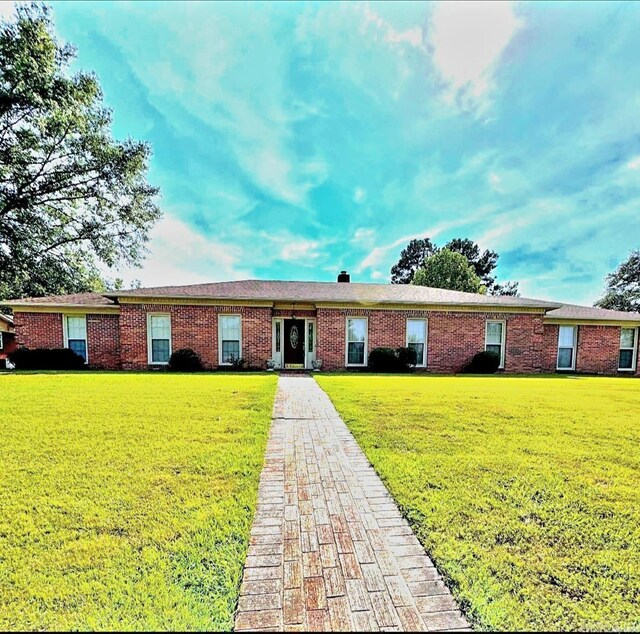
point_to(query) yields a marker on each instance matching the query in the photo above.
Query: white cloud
(634, 163)
(467, 39)
(180, 255)
(7, 9)
(359, 195)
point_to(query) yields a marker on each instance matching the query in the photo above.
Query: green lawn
(126, 500)
(525, 491)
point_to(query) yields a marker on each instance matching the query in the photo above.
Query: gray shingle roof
(575, 312)
(75, 299)
(332, 292)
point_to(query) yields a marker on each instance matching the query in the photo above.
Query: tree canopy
(622, 290)
(451, 270)
(71, 197)
(414, 256)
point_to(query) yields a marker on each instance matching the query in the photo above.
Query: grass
(525, 491)
(126, 500)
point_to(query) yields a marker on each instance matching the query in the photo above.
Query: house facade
(339, 323)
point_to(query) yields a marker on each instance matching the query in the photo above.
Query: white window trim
(503, 339)
(574, 356)
(65, 332)
(346, 343)
(220, 316)
(634, 359)
(426, 338)
(149, 347)
(1, 341)
(310, 356)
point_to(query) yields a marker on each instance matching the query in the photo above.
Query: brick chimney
(344, 277)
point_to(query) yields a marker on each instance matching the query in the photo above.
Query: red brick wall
(103, 341)
(194, 327)
(452, 340)
(598, 349)
(39, 330)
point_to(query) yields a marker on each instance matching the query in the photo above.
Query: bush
(484, 363)
(185, 360)
(237, 363)
(390, 360)
(46, 359)
(407, 358)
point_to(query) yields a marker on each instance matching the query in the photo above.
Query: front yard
(126, 499)
(525, 491)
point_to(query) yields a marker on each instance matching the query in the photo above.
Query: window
(417, 339)
(567, 347)
(356, 341)
(230, 331)
(310, 337)
(278, 336)
(628, 346)
(1, 341)
(75, 332)
(494, 339)
(159, 338)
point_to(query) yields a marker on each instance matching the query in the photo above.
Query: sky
(294, 140)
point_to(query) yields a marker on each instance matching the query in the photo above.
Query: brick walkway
(329, 549)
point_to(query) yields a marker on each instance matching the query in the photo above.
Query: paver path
(329, 549)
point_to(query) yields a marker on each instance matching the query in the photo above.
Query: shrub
(237, 363)
(46, 359)
(407, 358)
(390, 360)
(185, 360)
(484, 362)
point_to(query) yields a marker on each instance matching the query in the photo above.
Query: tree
(411, 259)
(451, 270)
(417, 251)
(71, 197)
(622, 291)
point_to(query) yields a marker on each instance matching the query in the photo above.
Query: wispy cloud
(467, 39)
(295, 140)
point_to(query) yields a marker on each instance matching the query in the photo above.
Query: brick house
(297, 323)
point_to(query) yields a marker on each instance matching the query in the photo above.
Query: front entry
(294, 344)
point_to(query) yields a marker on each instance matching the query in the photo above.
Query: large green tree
(622, 291)
(451, 270)
(413, 257)
(71, 197)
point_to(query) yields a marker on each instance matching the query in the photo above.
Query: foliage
(411, 259)
(414, 256)
(46, 359)
(237, 363)
(523, 490)
(185, 360)
(127, 499)
(485, 362)
(391, 360)
(623, 286)
(71, 197)
(447, 269)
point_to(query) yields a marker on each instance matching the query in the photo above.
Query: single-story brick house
(296, 323)
(7, 339)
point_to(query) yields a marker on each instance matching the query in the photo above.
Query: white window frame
(634, 359)
(220, 317)
(426, 337)
(503, 338)
(65, 331)
(149, 345)
(346, 342)
(1, 341)
(574, 356)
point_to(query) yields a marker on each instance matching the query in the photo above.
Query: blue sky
(295, 140)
